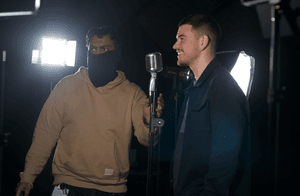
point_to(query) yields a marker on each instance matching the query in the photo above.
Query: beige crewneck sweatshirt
(92, 128)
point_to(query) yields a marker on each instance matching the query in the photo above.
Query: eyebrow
(180, 36)
(92, 46)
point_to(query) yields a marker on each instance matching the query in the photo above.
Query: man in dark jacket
(212, 153)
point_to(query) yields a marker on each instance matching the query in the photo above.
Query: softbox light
(243, 72)
(55, 52)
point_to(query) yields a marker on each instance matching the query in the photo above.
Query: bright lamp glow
(70, 53)
(5, 14)
(35, 56)
(243, 70)
(55, 52)
(25, 13)
(37, 4)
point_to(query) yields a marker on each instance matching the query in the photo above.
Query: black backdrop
(27, 86)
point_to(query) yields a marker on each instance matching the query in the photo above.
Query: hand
(159, 108)
(23, 186)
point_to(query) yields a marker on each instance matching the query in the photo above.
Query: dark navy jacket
(215, 157)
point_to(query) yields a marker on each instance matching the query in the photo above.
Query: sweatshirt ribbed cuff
(27, 178)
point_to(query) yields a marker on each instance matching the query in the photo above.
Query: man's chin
(182, 64)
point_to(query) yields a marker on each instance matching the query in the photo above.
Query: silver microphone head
(154, 62)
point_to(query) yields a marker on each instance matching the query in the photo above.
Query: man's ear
(204, 42)
(117, 45)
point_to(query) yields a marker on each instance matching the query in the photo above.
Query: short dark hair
(206, 23)
(102, 31)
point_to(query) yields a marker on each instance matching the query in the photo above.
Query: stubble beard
(182, 64)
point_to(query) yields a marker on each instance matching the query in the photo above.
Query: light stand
(52, 153)
(154, 123)
(23, 13)
(274, 95)
(3, 136)
(49, 76)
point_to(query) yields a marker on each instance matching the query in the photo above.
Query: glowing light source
(243, 72)
(55, 52)
(70, 53)
(23, 13)
(37, 4)
(5, 14)
(35, 56)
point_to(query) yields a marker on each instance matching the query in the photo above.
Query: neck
(200, 65)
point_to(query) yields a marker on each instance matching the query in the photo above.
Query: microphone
(154, 62)
(153, 65)
(181, 73)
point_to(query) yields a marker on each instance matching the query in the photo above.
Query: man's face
(186, 46)
(101, 45)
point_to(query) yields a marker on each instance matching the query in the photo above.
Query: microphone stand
(154, 123)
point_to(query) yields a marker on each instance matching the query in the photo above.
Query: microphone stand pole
(154, 123)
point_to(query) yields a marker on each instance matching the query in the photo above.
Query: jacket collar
(206, 73)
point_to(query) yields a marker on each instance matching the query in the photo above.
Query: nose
(97, 52)
(175, 46)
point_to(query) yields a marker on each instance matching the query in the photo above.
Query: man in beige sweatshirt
(90, 115)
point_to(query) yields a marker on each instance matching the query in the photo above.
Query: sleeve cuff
(145, 122)
(27, 178)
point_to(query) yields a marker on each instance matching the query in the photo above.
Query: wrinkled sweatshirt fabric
(93, 128)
